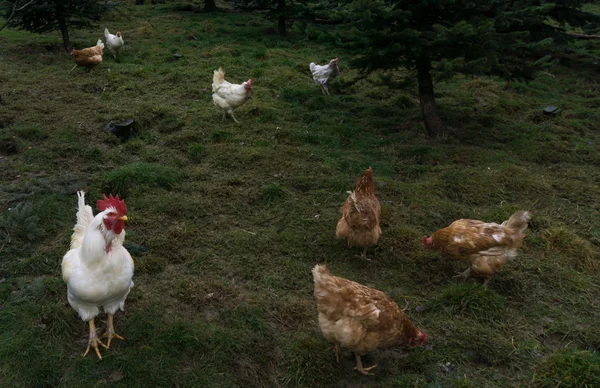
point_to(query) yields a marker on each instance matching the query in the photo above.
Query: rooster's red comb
(118, 204)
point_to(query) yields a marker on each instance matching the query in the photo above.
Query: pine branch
(13, 12)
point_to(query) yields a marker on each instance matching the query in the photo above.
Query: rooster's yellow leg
(359, 367)
(94, 341)
(110, 331)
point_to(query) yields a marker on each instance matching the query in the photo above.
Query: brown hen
(487, 246)
(89, 57)
(360, 318)
(359, 224)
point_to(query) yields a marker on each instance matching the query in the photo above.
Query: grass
(227, 220)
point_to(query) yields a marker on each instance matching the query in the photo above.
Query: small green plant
(121, 179)
(272, 193)
(19, 228)
(569, 368)
(196, 151)
(221, 136)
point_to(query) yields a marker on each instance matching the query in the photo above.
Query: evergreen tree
(210, 6)
(281, 10)
(42, 16)
(439, 39)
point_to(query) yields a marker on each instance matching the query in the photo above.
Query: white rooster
(113, 42)
(323, 75)
(97, 268)
(228, 96)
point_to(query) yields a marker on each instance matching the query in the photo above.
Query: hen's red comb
(118, 204)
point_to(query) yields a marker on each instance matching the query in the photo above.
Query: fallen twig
(584, 36)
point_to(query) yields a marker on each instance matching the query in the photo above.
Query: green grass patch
(273, 193)
(472, 301)
(569, 368)
(121, 179)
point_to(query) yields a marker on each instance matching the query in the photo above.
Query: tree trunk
(62, 23)
(433, 124)
(281, 18)
(210, 6)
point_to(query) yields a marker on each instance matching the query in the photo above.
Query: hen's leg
(359, 367)
(485, 282)
(363, 254)
(110, 331)
(94, 341)
(72, 69)
(326, 89)
(337, 350)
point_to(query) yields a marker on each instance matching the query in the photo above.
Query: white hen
(228, 96)
(113, 42)
(323, 75)
(97, 268)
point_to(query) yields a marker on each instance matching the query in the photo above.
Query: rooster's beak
(124, 218)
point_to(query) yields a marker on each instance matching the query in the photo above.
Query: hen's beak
(124, 218)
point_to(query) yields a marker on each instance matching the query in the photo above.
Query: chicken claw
(359, 368)
(110, 331)
(363, 255)
(94, 341)
(405, 306)
(465, 274)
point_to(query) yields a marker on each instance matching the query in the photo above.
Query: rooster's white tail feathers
(218, 78)
(84, 217)
(100, 43)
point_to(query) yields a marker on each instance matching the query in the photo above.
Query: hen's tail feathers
(365, 184)
(517, 223)
(218, 78)
(84, 217)
(352, 197)
(100, 43)
(320, 273)
(312, 67)
(106, 33)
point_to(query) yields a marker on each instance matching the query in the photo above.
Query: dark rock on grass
(122, 129)
(551, 110)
